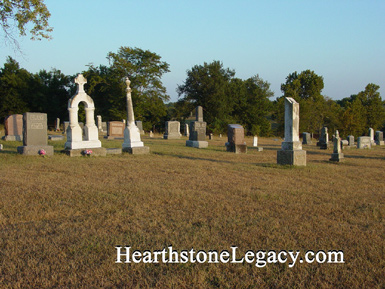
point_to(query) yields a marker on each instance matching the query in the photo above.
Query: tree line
(224, 97)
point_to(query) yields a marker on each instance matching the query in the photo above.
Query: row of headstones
(376, 138)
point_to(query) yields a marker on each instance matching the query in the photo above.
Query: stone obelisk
(132, 142)
(291, 152)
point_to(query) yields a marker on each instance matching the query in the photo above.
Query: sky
(343, 41)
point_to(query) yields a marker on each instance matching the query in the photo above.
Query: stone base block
(323, 146)
(34, 150)
(172, 136)
(337, 157)
(13, 138)
(236, 148)
(56, 137)
(137, 150)
(259, 149)
(380, 143)
(197, 144)
(294, 158)
(114, 151)
(80, 152)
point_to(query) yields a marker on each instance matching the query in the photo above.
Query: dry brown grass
(62, 217)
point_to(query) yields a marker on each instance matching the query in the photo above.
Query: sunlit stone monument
(337, 155)
(76, 141)
(197, 138)
(291, 152)
(132, 142)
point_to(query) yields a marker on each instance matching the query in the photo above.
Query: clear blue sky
(341, 40)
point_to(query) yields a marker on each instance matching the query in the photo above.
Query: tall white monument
(291, 152)
(75, 138)
(132, 142)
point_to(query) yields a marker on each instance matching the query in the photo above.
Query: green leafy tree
(18, 14)
(13, 89)
(145, 70)
(305, 88)
(207, 85)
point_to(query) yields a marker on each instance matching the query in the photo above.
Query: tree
(305, 88)
(17, 14)
(13, 89)
(145, 70)
(226, 99)
(207, 85)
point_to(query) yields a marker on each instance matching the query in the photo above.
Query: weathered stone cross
(80, 80)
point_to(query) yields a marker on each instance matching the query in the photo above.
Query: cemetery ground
(61, 217)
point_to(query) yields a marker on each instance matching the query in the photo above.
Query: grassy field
(61, 218)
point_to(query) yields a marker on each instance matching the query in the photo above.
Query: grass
(61, 217)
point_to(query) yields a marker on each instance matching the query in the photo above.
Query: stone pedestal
(290, 157)
(80, 152)
(197, 144)
(137, 150)
(33, 150)
(236, 148)
(337, 157)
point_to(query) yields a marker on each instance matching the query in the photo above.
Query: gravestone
(255, 144)
(35, 134)
(379, 138)
(291, 152)
(211, 136)
(197, 137)
(306, 138)
(186, 130)
(1, 147)
(350, 140)
(104, 126)
(371, 135)
(115, 129)
(99, 123)
(151, 134)
(323, 142)
(57, 124)
(172, 130)
(65, 126)
(236, 139)
(337, 155)
(364, 142)
(139, 124)
(132, 142)
(76, 142)
(13, 128)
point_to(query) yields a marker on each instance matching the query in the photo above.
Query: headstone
(371, 135)
(306, 138)
(151, 134)
(364, 142)
(186, 130)
(75, 139)
(291, 152)
(337, 155)
(211, 136)
(197, 137)
(99, 123)
(255, 144)
(220, 135)
(1, 147)
(13, 127)
(139, 124)
(65, 126)
(323, 142)
(172, 130)
(104, 126)
(379, 138)
(56, 137)
(236, 139)
(132, 142)
(350, 140)
(35, 134)
(115, 129)
(57, 124)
